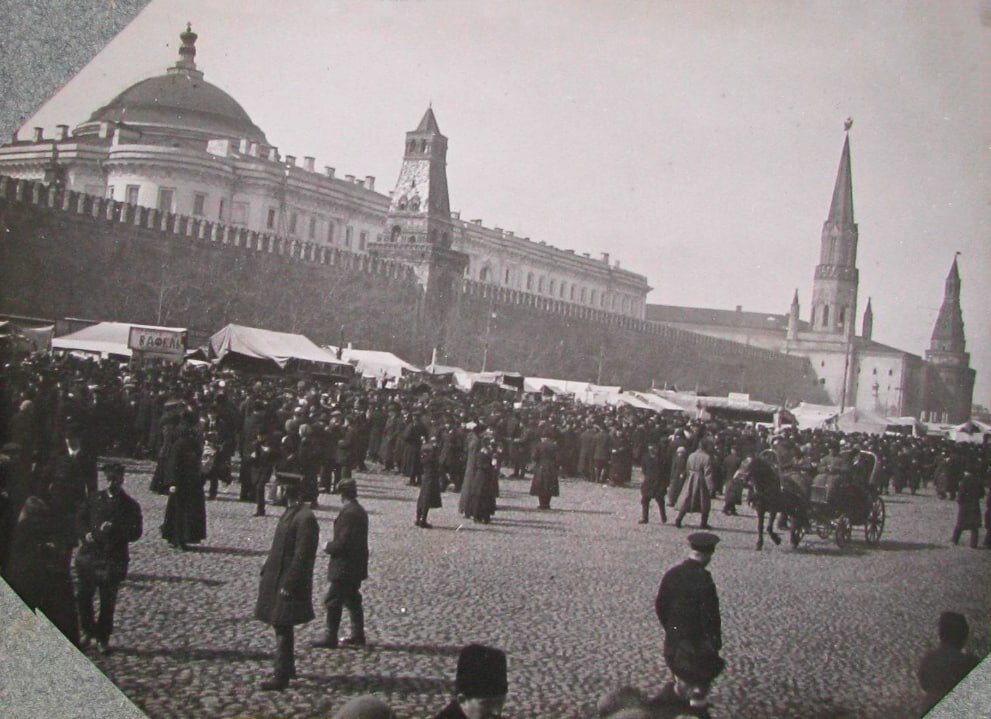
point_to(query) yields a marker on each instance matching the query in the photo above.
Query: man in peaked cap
(481, 684)
(688, 608)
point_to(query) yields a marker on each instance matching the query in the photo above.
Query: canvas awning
(861, 421)
(106, 339)
(375, 363)
(255, 348)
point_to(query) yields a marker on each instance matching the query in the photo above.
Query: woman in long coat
(480, 500)
(545, 471)
(167, 436)
(677, 474)
(185, 512)
(429, 497)
(471, 455)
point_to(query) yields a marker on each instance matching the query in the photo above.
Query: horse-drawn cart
(840, 500)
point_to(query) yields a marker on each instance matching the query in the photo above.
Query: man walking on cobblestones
(285, 593)
(688, 607)
(348, 552)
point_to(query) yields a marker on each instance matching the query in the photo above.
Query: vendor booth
(252, 349)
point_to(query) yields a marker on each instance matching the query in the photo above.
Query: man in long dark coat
(545, 482)
(688, 608)
(108, 521)
(348, 568)
(655, 482)
(285, 593)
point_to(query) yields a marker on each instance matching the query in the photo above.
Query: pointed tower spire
(834, 291)
(793, 317)
(867, 329)
(948, 334)
(429, 123)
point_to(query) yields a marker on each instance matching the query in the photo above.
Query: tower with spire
(949, 378)
(834, 289)
(867, 329)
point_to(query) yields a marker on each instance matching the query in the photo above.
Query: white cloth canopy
(860, 420)
(103, 338)
(375, 363)
(277, 347)
(814, 416)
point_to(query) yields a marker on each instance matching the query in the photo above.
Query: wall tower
(950, 380)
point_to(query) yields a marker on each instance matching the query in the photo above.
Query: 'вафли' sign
(158, 341)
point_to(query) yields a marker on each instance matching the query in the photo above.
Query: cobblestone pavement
(813, 632)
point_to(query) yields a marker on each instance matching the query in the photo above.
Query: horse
(767, 497)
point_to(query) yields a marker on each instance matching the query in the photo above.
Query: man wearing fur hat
(481, 684)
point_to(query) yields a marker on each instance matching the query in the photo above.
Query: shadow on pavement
(185, 654)
(138, 578)
(233, 551)
(896, 546)
(430, 649)
(371, 683)
(553, 510)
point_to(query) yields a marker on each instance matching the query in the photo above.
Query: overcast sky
(696, 142)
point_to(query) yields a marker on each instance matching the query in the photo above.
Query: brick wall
(67, 254)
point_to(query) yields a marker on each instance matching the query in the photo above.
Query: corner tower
(834, 289)
(949, 377)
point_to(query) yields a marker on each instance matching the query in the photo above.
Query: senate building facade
(181, 145)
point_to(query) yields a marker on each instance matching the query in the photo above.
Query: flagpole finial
(848, 124)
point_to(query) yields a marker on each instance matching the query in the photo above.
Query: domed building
(181, 145)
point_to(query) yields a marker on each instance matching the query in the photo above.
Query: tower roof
(841, 209)
(948, 333)
(429, 123)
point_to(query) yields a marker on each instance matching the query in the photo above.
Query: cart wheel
(874, 527)
(842, 531)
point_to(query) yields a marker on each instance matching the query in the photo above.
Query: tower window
(362, 240)
(348, 236)
(220, 211)
(410, 147)
(551, 288)
(131, 194)
(561, 291)
(423, 145)
(825, 315)
(313, 228)
(199, 202)
(394, 235)
(293, 219)
(402, 202)
(842, 319)
(506, 277)
(239, 213)
(414, 204)
(529, 281)
(540, 285)
(165, 197)
(583, 295)
(270, 220)
(330, 233)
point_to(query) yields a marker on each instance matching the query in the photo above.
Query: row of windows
(821, 312)
(562, 290)
(239, 215)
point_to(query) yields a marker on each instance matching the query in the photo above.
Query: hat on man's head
(347, 485)
(703, 541)
(482, 672)
(365, 707)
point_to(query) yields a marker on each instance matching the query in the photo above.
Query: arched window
(572, 293)
(529, 281)
(505, 279)
(486, 274)
(550, 289)
(423, 145)
(414, 204)
(394, 235)
(825, 315)
(410, 147)
(813, 315)
(842, 321)
(540, 285)
(593, 298)
(402, 202)
(561, 293)
(583, 296)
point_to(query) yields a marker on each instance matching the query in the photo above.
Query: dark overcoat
(429, 497)
(655, 482)
(185, 511)
(688, 608)
(969, 497)
(106, 555)
(545, 471)
(289, 566)
(348, 549)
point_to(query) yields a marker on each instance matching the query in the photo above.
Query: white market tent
(860, 420)
(104, 339)
(814, 416)
(656, 403)
(376, 364)
(253, 346)
(970, 431)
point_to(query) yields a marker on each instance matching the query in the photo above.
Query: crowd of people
(287, 440)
